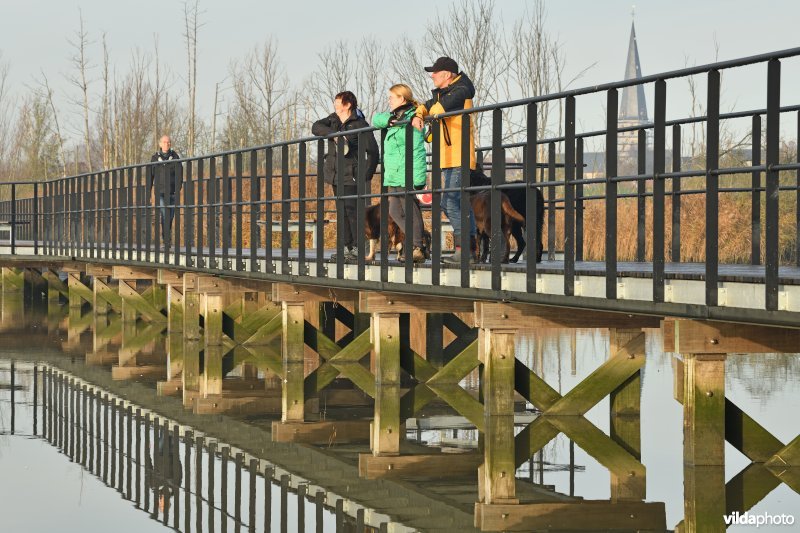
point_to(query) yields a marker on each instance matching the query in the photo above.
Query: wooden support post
(55, 287)
(174, 357)
(704, 499)
(127, 287)
(704, 410)
(626, 429)
(78, 292)
(386, 425)
(35, 285)
(175, 308)
(213, 319)
(497, 482)
(292, 351)
(191, 308)
(101, 306)
(212, 373)
(190, 377)
(678, 379)
(13, 281)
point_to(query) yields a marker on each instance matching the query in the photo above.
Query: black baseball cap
(444, 63)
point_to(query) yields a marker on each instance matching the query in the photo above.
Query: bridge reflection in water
(105, 403)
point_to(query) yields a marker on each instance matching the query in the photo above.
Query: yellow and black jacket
(457, 95)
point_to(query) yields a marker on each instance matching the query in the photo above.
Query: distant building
(633, 107)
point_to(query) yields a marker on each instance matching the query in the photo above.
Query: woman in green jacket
(403, 107)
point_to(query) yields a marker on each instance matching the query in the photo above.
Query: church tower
(633, 108)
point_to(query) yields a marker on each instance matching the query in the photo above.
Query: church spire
(634, 106)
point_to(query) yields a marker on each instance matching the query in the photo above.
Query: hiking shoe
(418, 255)
(454, 259)
(351, 253)
(345, 254)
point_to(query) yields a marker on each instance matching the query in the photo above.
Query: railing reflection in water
(181, 478)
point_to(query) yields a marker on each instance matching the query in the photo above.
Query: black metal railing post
(408, 131)
(675, 255)
(13, 218)
(189, 242)
(35, 222)
(755, 197)
(712, 190)
(268, 209)
(341, 219)
(286, 209)
(612, 105)
(466, 207)
(384, 209)
(659, 166)
(569, 196)
(531, 196)
(199, 201)
(579, 199)
(227, 214)
(641, 196)
(320, 244)
(436, 203)
(301, 209)
(551, 201)
(255, 209)
(497, 242)
(211, 219)
(361, 185)
(772, 184)
(238, 170)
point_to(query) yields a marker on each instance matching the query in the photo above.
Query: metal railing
(235, 209)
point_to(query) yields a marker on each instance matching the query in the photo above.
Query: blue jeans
(167, 212)
(451, 202)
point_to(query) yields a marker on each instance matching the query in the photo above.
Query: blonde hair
(401, 89)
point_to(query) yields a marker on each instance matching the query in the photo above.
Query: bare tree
(79, 79)
(191, 17)
(335, 72)
(5, 111)
(371, 82)
(105, 111)
(260, 89)
(48, 94)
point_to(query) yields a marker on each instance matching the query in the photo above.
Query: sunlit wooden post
(292, 351)
(497, 480)
(386, 425)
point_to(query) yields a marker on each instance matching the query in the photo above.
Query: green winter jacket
(394, 150)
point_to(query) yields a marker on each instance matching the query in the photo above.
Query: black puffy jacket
(167, 177)
(332, 124)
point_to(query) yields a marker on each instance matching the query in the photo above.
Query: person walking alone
(168, 180)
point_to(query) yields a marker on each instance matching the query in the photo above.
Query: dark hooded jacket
(332, 124)
(167, 177)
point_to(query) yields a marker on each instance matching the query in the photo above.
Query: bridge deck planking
(742, 288)
(788, 275)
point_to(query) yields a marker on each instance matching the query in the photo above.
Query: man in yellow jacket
(453, 91)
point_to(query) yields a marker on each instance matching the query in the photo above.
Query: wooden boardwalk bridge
(232, 281)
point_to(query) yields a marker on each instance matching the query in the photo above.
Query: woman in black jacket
(347, 116)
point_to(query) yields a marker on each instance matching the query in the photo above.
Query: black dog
(517, 198)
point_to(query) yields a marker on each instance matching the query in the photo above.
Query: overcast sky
(34, 34)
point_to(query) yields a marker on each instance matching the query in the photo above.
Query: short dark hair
(347, 97)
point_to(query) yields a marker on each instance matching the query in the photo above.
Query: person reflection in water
(163, 473)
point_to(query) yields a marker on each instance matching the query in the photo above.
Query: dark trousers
(397, 210)
(349, 220)
(166, 207)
